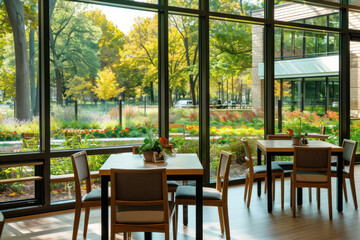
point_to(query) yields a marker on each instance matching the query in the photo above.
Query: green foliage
(150, 142)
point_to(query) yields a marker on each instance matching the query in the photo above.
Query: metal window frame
(204, 14)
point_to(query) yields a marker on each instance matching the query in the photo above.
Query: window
(104, 75)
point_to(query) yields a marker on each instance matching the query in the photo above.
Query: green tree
(73, 45)
(78, 88)
(112, 40)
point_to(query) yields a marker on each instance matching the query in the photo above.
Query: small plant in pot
(151, 145)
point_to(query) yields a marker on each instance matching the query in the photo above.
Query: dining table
(178, 166)
(272, 148)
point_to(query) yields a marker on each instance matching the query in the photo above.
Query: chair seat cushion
(334, 170)
(262, 168)
(188, 192)
(307, 176)
(141, 214)
(94, 195)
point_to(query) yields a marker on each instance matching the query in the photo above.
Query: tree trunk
(152, 92)
(171, 104)
(15, 12)
(192, 89)
(32, 66)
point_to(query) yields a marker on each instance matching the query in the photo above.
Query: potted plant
(295, 134)
(152, 145)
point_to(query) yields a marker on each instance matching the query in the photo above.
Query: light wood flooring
(253, 223)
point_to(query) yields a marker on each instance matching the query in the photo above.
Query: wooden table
(272, 148)
(178, 167)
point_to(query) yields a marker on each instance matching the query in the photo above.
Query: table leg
(147, 235)
(259, 163)
(104, 207)
(269, 181)
(340, 182)
(199, 207)
(299, 196)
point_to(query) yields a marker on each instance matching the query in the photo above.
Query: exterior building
(306, 62)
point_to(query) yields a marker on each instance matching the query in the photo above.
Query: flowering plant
(151, 143)
(296, 133)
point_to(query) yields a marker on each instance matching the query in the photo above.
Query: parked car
(183, 103)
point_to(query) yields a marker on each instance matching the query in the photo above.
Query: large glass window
(236, 110)
(354, 91)
(19, 79)
(104, 75)
(184, 83)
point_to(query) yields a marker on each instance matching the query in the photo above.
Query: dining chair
(2, 221)
(140, 203)
(172, 185)
(218, 197)
(348, 156)
(312, 168)
(286, 165)
(259, 171)
(92, 198)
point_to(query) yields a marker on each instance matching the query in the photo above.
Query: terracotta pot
(296, 141)
(27, 135)
(148, 156)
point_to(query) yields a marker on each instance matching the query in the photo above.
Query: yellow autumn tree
(106, 85)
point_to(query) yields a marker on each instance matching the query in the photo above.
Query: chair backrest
(349, 153)
(81, 172)
(139, 188)
(135, 149)
(278, 137)
(223, 173)
(2, 221)
(312, 160)
(248, 158)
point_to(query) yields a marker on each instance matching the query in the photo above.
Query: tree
(73, 44)
(15, 10)
(106, 85)
(78, 88)
(112, 40)
(187, 27)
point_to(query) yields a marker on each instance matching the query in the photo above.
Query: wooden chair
(349, 156)
(172, 185)
(254, 172)
(311, 169)
(2, 221)
(92, 198)
(140, 202)
(218, 197)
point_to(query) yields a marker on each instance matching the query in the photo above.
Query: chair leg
(221, 219)
(293, 197)
(345, 191)
(251, 181)
(246, 187)
(318, 197)
(282, 191)
(172, 194)
(310, 195)
(76, 222)
(86, 221)
(353, 191)
(174, 220)
(226, 221)
(265, 185)
(291, 183)
(126, 237)
(330, 202)
(113, 236)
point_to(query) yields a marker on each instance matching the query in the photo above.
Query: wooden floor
(253, 223)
